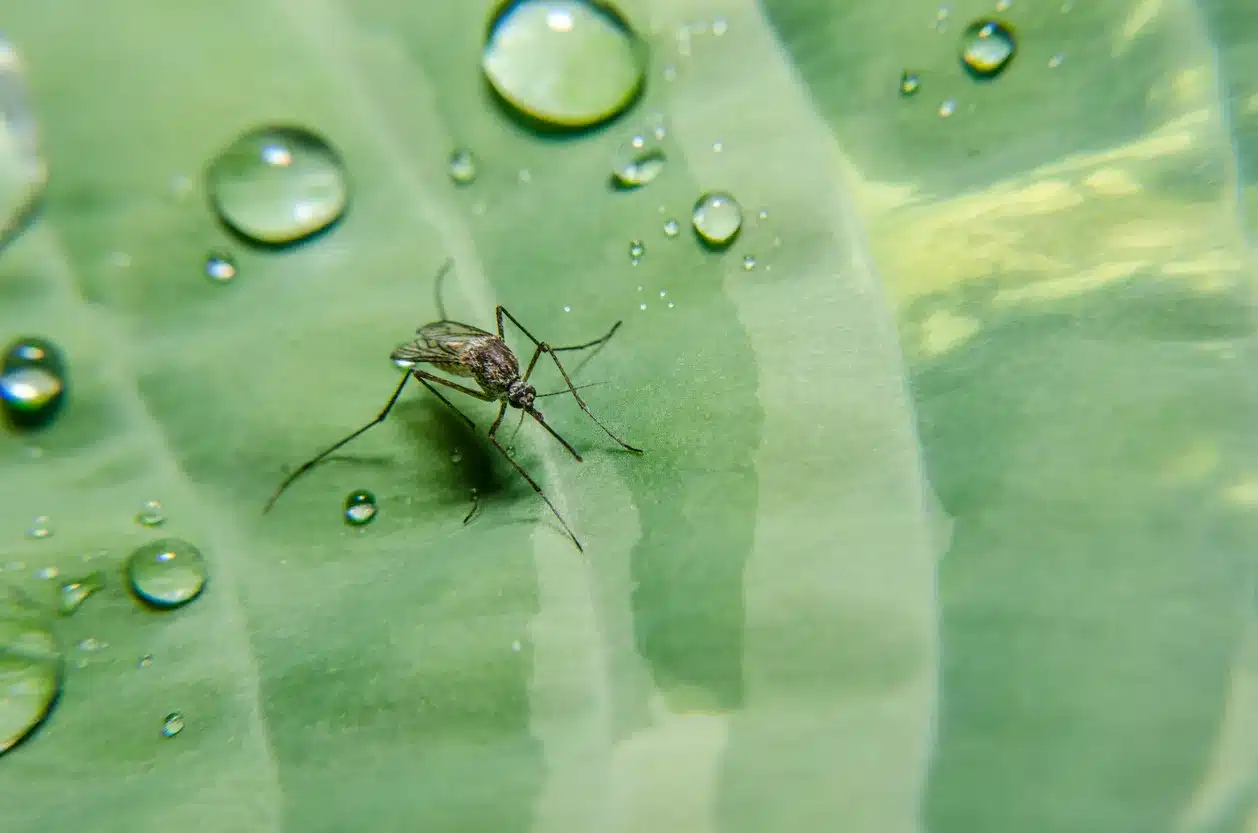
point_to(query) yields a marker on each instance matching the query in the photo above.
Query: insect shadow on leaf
(463, 350)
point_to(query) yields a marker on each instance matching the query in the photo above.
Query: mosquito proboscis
(466, 351)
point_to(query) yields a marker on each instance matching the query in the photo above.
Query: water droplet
(663, 293)
(30, 673)
(1056, 61)
(172, 725)
(672, 228)
(90, 645)
(278, 185)
(145, 661)
(636, 251)
(1003, 5)
(360, 507)
(40, 528)
(220, 267)
(567, 308)
(462, 167)
(638, 169)
(670, 304)
(987, 47)
(717, 219)
(749, 262)
(720, 26)
(456, 457)
(947, 108)
(642, 306)
(764, 214)
(563, 64)
(660, 132)
(717, 147)
(525, 177)
(151, 514)
(910, 82)
(32, 382)
(23, 173)
(71, 594)
(166, 573)
(515, 645)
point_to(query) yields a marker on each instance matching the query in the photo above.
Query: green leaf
(1050, 289)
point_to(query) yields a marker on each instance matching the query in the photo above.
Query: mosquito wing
(443, 344)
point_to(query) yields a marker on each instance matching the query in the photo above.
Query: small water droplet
(1056, 61)
(663, 293)
(947, 108)
(567, 308)
(717, 147)
(987, 47)
(456, 457)
(91, 644)
(360, 507)
(220, 267)
(672, 228)
(278, 185)
(637, 142)
(23, 172)
(717, 218)
(636, 251)
(40, 528)
(764, 214)
(525, 176)
(30, 673)
(515, 646)
(151, 514)
(563, 64)
(145, 661)
(1003, 5)
(32, 382)
(642, 306)
(720, 26)
(910, 82)
(166, 573)
(172, 725)
(660, 132)
(638, 169)
(462, 167)
(670, 304)
(749, 262)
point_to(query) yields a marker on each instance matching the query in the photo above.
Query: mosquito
(466, 351)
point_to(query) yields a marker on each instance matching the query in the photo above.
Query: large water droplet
(30, 674)
(987, 47)
(563, 64)
(22, 170)
(278, 185)
(32, 382)
(717, 219)
(172, 725)
(166, 573)
(360, 507)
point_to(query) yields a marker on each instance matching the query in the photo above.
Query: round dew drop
(360, 507)
(462, 167)
(31, 670)
(172, 725)
(717, 218)
(166, 573)
(219, 267)
(151, 514)
(987, 47)
(32, 382)
(275, 186)
(638, 170)
(563, 65)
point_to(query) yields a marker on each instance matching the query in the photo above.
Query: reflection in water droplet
(151, 514)
(717, 219)
(639, 169)
(166, 573)
(32, 382)
(30, 673)
(909, 83)
(172, 725)
(672, 228)
(23, 173)
(462, 167)
(71, 594)
(220, 267)
(278, 185)
(360, 507)
(749, 262)
(987, 47)
(1003, 5)
(636, 251)
(947, 108)
(563, 64)
(40, 528)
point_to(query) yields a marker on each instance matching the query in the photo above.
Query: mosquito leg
(436, 289)
(494, 439)
(538, 417)
(596, 342)
(426, 377)
(306, 466)
(475, 505)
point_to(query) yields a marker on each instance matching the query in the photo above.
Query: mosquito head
(521, 395)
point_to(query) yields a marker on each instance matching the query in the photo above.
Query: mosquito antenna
(436, 287)
(566, 390)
